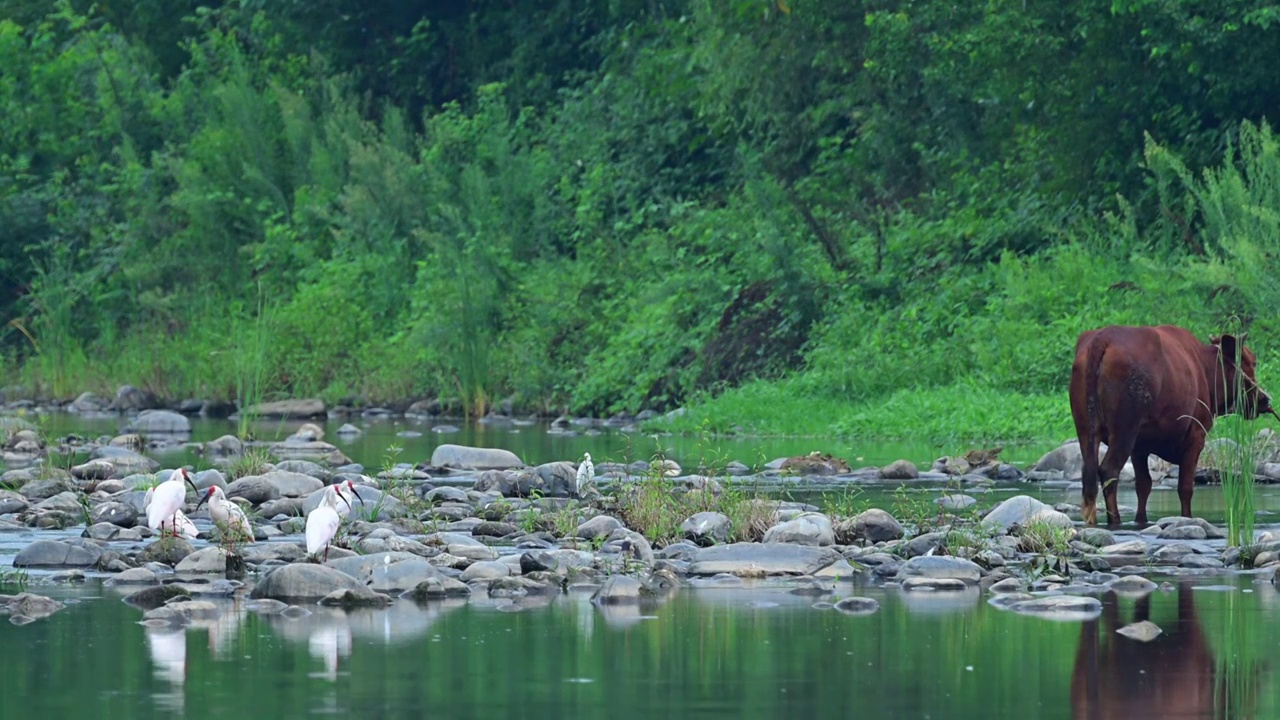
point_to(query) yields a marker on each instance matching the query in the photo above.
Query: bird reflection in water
(168, 650)
(1174, 675)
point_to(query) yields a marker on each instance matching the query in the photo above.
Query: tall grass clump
(250, 356)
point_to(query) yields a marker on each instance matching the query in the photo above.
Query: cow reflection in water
(1171, 676)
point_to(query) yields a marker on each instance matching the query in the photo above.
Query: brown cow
(1174, 676)
(1153, 390)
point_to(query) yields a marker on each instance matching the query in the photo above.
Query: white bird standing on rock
(165, 503)
(323, 522)
(586, 473)
(227, 515)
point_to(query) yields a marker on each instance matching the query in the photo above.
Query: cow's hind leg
(1142, 480)
(1119, 449)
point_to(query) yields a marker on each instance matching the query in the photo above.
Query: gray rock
(133, 576)
(874, 525)
(1132, 584)
(805, 529)
(67, 502)
(43, 489)
(224, 447)
(303, 581)
(437, 589)
(299, 409)
(953, 501)
(29, 605)
(1183, 532)
(204, 560)
(900, 470)
(618, 589)
(87, 402)
(355, 597)
(1131, 547)
(259, 553)
(116, 513)
(1024, 509)
(254, 488)
(168, 551)
(349, 430)
(159, 422)
(183, 612)
(305, 467)
(857, 606)
(124, 460)
(471, 458)
(923, 544)
(130, 398)
(1066, 605)
(485, 570)
(934, 584)
(154, 597)
(1095, 536)
(598, 526)
(58, 553)
(707, 528)
(12, 502)
(447, 493)
(1142, 631)
(758, 560)
(940, 567)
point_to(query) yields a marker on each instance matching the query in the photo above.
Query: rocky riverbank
(479, 521)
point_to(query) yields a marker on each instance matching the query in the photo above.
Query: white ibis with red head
(166, 502)
(228, 516)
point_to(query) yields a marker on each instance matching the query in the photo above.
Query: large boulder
(1024, 509)
(124, 460)
(58, 553)
(130, 398)
(757, 560)
(874, 525)
(303, 581)
(940, 567)
(472, 458)
(405, 571)
(707, 528)
(159, 422)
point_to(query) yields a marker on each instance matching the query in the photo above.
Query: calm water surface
(761, 653)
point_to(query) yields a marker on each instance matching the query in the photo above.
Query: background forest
(799, 216)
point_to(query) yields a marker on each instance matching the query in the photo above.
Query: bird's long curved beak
(187, 477)
(204, 497)
(354, 492)
(343, 499)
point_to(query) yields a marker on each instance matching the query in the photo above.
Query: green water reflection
(703, 653)
(535, 445)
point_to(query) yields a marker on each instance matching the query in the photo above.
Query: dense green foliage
(848, 208)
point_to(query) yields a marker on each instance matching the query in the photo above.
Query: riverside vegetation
(786, 216)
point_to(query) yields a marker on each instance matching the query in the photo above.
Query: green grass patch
(959, 413)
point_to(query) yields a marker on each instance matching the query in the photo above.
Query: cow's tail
(1089, 443)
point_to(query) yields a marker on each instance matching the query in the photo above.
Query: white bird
(228, 516)
(179, 524)
(166, 500)
(322, 525)
(586, 473)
